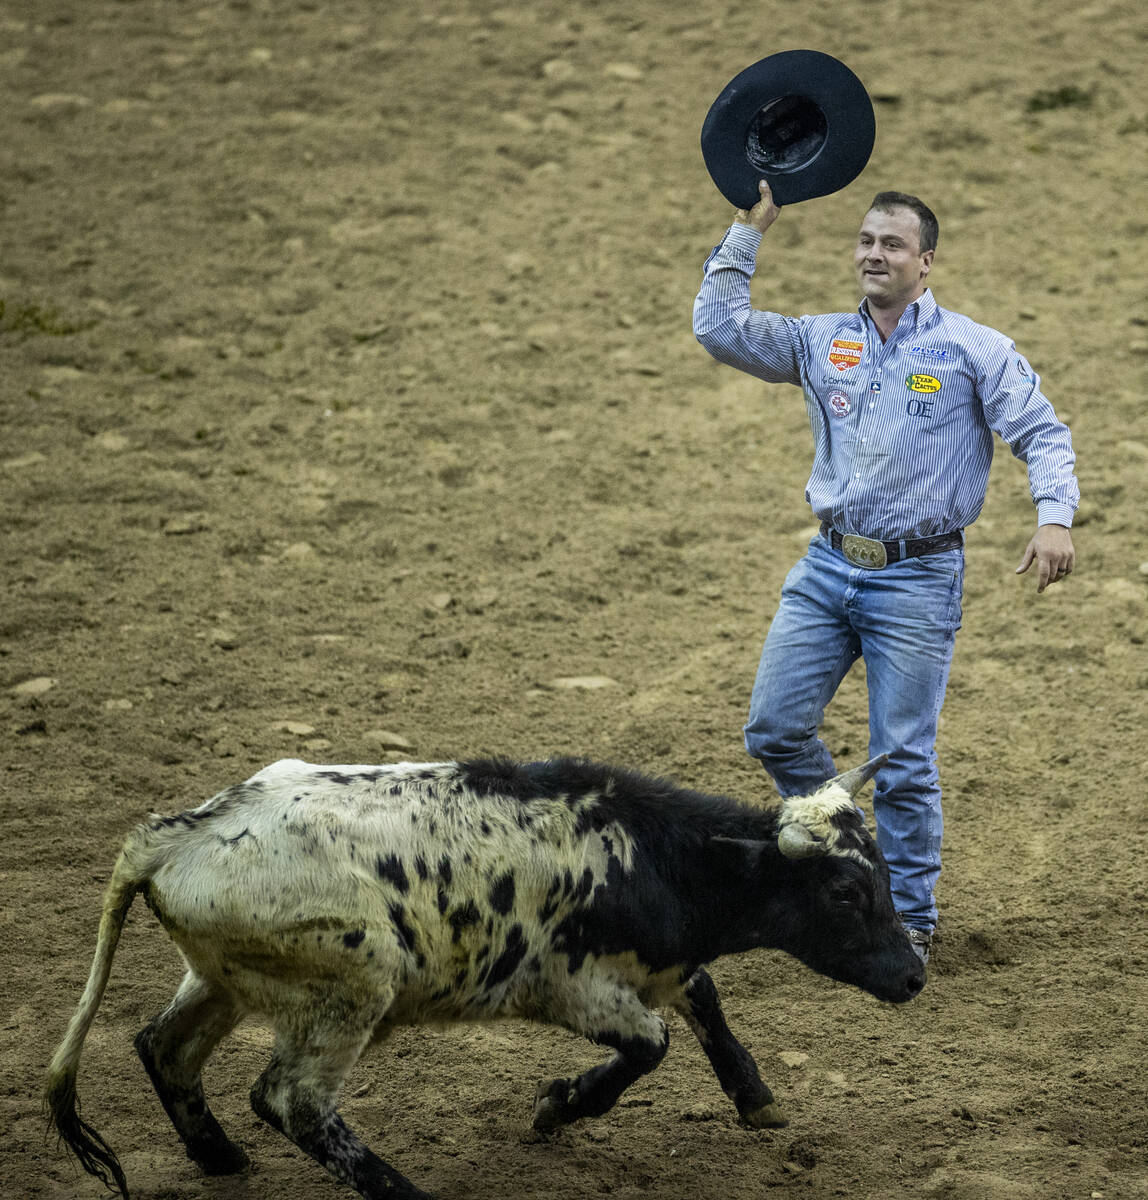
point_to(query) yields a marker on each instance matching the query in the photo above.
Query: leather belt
(870, 553)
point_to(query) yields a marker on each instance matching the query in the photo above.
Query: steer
(339, 902)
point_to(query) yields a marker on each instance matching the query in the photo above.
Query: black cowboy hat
(799, 119)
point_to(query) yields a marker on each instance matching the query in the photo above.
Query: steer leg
(297, 1095)
(173, 1049)
(640, 1040)
(731, 1061)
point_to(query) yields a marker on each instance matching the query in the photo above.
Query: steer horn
(853, 781)
(795, 841)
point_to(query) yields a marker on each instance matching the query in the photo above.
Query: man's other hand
(1052, 550)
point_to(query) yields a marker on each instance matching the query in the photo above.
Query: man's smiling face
(891, 268)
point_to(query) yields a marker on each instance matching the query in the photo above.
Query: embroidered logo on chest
(844, 354)
(839, 403)
(923, 383)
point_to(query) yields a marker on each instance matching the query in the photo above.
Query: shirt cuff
(741, 237)
(1054, 512)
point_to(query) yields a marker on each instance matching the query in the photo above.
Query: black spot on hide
(467, 914)
(391, 869)
(354, 940)
(445, 873)
(550, 904)
(615, 875)
(580, 891)
(344, 780)
(443, 900)
(406, 934)
(421, 867)
(502, 893)
(507, 962)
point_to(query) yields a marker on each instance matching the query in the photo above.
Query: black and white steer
(339, 902)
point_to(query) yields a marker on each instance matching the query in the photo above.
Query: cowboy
(904, 398)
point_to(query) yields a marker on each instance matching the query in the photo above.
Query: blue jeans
(903, 620)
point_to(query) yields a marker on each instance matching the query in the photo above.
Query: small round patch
(839, 403)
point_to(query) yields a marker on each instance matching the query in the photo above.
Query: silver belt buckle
(863, 551)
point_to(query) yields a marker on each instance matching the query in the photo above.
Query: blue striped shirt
(902, 429)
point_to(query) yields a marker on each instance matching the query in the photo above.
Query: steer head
(833, 909)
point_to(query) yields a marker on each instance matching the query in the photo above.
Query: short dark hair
(929, 229)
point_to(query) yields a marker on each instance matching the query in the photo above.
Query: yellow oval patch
(923, 383)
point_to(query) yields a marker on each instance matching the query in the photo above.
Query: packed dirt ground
(351, 412)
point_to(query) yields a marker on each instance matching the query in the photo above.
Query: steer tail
(60, 1100)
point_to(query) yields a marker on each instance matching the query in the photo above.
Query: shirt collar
(920, 310)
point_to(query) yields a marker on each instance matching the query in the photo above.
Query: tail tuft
(92, 1152)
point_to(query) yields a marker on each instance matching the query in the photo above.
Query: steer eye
(845, 893)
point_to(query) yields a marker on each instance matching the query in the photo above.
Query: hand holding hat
(763, 214)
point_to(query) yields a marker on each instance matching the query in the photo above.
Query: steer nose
(915, 981)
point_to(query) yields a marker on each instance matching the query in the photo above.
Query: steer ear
(853, 781)
(795, 841)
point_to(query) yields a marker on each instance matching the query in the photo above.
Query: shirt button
(857, 475)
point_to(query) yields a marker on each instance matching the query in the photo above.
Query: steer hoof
(551, 1106)
(218, 1158)
(230, 1164)
(769, 1116)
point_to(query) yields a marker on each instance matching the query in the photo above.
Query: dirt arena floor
(351, 411)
